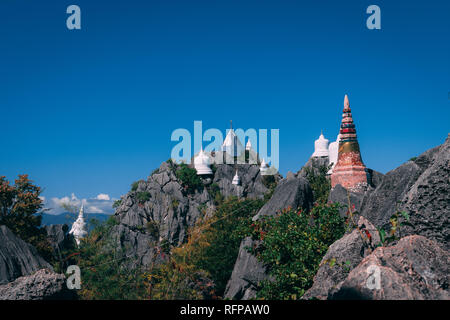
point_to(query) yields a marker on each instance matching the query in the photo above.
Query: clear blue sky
(91, 111)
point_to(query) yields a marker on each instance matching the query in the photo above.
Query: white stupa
(202, 163)
(236, 180)
(248, 146)
(321, 147)
(264, 168)
(333, 149)
(79, 229)
(232, 145)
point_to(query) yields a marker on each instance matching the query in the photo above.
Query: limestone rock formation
(313, 163)
(170, 209)
(414, 269)
(17, 258)
(248, 271)
(428, 200)
(294, 193)
(41, 285)
(342, 256)
(59, 239)
(422, 189)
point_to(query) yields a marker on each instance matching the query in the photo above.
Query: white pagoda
(202, 163)
(321, 147)
(264, 168)
(79, 228)
(236, 180)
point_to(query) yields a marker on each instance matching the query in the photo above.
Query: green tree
(292, 245)
(106, 275)
(319, 182)
(188, 177)
(21, 211)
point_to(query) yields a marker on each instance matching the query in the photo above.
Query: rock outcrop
(428, 200)
(41, 285)
(421, 188)
(293, 192)
(248, 271)
(414, 269)
(341, 257)
(17, 258)
(60, 239)
(170, 209)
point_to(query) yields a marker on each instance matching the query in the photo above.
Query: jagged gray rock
(421, 188)
(339, 194)
(313, 163)
(290, 192)
(342, 256)
(60, 239)
(415, 268)
(171, 210)
(428, 200)
(383, 202)
(248, 271)
(17, 258)
(41, 285)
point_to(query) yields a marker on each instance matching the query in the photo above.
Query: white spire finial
(236, 180)
(346, 102)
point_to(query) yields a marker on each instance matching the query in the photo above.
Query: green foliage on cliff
(292, 246)
(105, 274)
(319, 182)
(188, 177)
(143, 196)
(21, 211)
(201, 267)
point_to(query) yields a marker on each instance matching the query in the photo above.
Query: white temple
(321, 147)
(248, 146)
(333, 149)
(236, 180)
(79, 229)
(202, 163)
(264, 168)
(232, 146)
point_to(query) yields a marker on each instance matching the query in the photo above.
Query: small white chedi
(321, 147)
(236, 180)
(202, 163)
(264, 168)
(333, 149)
(79, 228)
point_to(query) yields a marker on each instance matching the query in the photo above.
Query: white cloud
(102, 203)
(103, 196)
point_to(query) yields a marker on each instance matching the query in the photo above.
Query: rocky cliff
(171, 209)
(44, 284)
(416, 267)
(17, 258)
(293, 192)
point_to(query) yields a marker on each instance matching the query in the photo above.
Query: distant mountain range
(69, 218)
